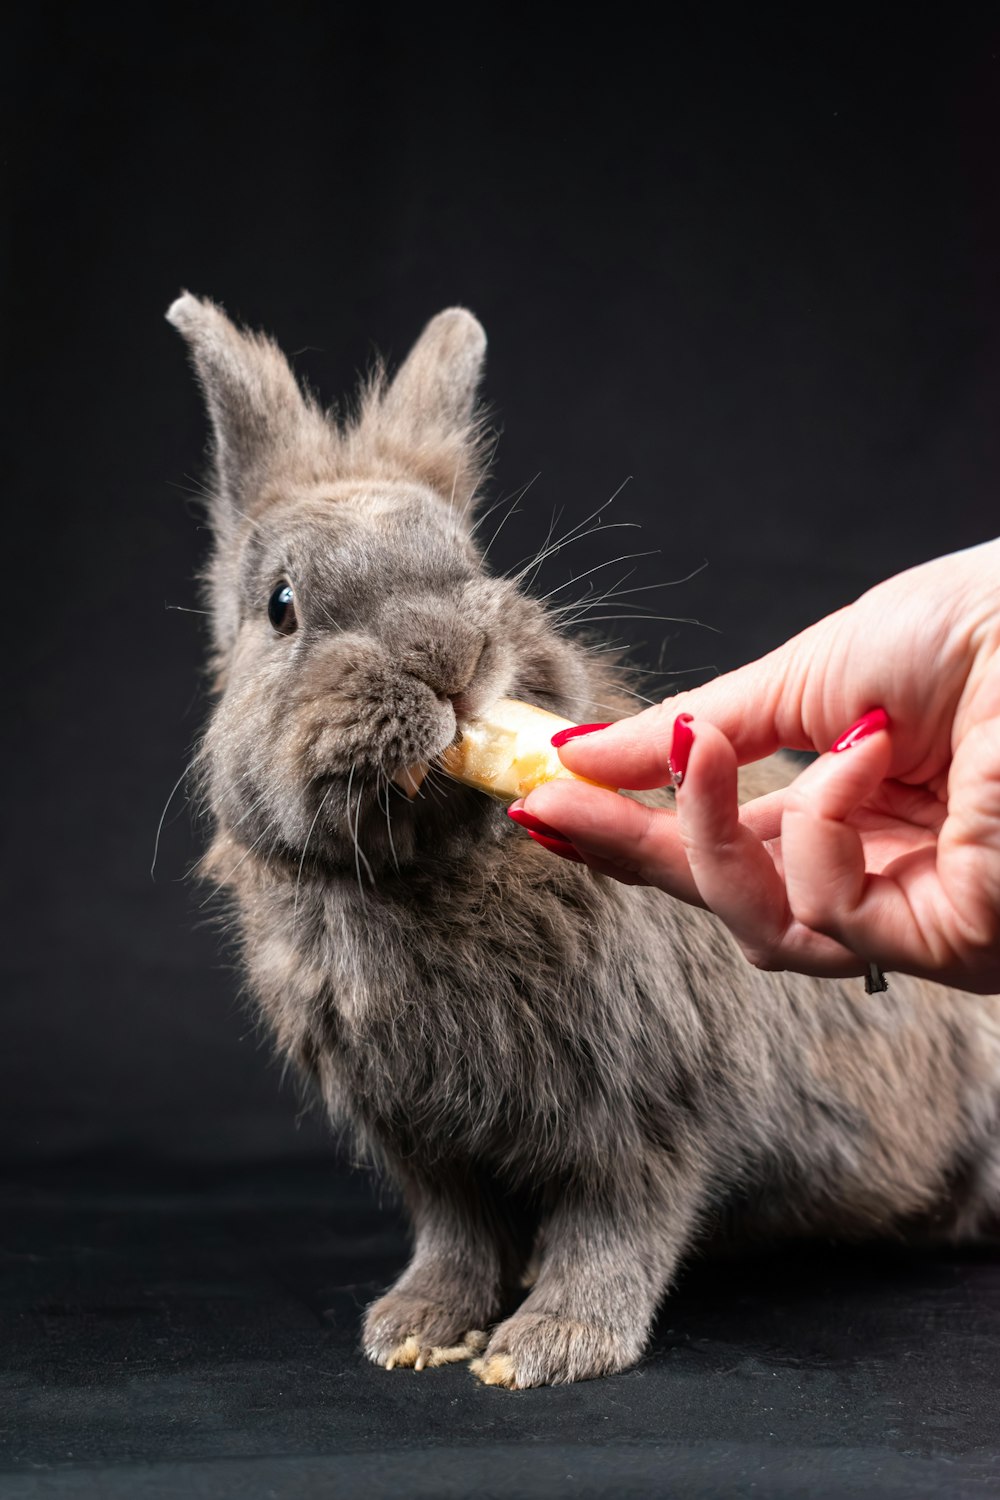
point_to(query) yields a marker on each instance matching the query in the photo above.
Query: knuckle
(797, 802)
(979, 930)
(666, 711)
(765, 959)
(721, 849)
(810, 912)
(810, 905)
(647, 842)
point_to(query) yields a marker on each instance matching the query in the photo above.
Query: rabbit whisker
(574, 532)
(617, 645)
(328, 618)
(512, 511)
(383, 785)
(571, 613)
(305, 846)
(159, 827)
(489, 511)
(248, 812)
(608, 563)
(517, 496)
(243, 516)
(543, 550)
(671, 619)
(534, 563)
(353, 830)
(687, 671)
(434, 782)
(590, 600)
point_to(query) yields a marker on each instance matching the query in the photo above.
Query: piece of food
(508, 750)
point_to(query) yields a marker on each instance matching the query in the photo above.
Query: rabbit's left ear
(435, 389)
(423, 424)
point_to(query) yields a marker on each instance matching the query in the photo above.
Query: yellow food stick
(508, 751)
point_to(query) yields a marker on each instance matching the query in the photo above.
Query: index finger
(749, 705)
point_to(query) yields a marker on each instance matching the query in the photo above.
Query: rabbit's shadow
(809, 1304)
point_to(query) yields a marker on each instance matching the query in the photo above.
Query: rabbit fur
(568, 1079)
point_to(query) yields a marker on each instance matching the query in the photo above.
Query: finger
(637, 845)
(762, 815)
(633, 752)
(629, 841)
(907, 917)
(640, 840)
(823, 856)
(758, 707)
(609, 835)
(616, 835)
(732, 870)
(735, 872)
(968, 862)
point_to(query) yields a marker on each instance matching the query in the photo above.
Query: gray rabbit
(573, 1083)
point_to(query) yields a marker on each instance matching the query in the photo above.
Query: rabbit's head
(355, 625)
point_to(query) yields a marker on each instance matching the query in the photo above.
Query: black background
(749, 265)
(753, 267)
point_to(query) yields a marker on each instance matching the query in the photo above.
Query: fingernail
(680, 749)
(558, 846)
(574, 732)
(533, 824)
(869, 723)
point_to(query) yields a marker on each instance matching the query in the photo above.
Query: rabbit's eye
(281, 609)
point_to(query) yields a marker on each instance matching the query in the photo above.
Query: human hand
(888, 851)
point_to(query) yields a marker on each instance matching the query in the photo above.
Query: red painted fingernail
(869, 723)
(574, 732)
(558, 846)
(680, 749)
(534, 825)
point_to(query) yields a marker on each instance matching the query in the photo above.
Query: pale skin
(888, 852)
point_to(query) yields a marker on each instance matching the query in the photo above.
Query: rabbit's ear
(435, 388)
(261, 420)
(423, 425)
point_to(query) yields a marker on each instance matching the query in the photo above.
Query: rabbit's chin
(367, 827)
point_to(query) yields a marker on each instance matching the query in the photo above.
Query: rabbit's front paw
(403, 1329)
(545, 1349)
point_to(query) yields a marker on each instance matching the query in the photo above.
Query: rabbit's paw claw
(415, 1355)
(545, 1349)
(474, 1343)
(404, 1355)
(497, 1370)
(406, 1330)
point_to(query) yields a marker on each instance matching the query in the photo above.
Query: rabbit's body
(548, 1063)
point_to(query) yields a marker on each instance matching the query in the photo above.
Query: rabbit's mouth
(389, 807)
(411, 777)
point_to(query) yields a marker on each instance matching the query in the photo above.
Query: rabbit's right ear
(261, 421)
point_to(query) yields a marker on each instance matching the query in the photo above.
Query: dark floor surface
(178, 1333)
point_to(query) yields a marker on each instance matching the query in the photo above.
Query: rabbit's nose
(448, 666)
